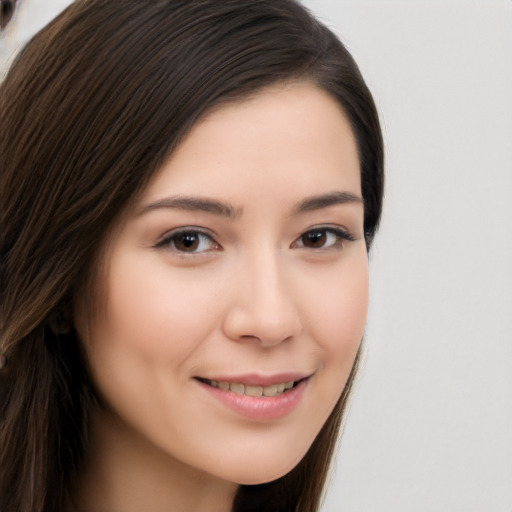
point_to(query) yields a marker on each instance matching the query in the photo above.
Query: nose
(263, 307)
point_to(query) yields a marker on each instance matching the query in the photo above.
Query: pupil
(188, 241)
(315, 239)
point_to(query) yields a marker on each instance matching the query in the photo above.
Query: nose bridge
(264, 307)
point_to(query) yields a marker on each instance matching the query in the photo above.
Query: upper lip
(257, 379)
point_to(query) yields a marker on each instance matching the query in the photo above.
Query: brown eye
(323, 238)
(189, 241)
(314, 239)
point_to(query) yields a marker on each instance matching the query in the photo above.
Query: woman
(189, 190)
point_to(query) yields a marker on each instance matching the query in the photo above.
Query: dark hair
(90, 109)
(7, 8)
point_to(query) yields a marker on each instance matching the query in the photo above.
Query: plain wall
(430, 427)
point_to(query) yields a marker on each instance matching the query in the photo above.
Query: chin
(263, 471)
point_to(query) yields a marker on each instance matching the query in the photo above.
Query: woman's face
(241, 271)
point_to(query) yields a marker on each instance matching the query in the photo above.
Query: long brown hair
(90, 109)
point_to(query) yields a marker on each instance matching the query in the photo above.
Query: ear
(59, 321)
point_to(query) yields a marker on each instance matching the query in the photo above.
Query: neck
(124, 472)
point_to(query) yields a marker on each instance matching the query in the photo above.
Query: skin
(254, 294)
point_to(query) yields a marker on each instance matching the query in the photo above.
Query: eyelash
(169, 241)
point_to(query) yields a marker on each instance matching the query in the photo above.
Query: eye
(191, 241)
(323, 238)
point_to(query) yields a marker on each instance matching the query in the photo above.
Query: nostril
(6, 12)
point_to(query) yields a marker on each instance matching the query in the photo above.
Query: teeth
(270, 390)
(237, 388)
(241, 389)
(253, 390)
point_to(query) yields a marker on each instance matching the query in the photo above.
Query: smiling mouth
(256, 391)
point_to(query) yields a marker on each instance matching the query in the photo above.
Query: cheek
(155, 312)
(344, 303)
(338, 320)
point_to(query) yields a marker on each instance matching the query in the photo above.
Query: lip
(261, 408)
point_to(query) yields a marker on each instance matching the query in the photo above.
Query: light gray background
(431, 423)
(430, 427)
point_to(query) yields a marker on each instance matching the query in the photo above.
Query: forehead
(293, 136)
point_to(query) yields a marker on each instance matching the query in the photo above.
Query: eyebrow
(326, 200)
(227, 210)
(206, 205)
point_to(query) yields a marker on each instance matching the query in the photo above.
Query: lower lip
(260, 408)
